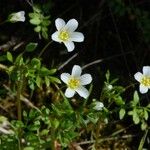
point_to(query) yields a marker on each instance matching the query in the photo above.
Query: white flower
(98, 105)
(4, 126)
(109, 87)
(144, 79)
(76, 82)
(66, 33)
(6, 131)
(15, 17)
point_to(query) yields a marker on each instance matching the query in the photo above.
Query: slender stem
(18, 100)
(46, 46)
(104, 59)
(107, 139)
(53, 139)
(62, 94)
(19, 144)
(143, 140)
(19, 111)
(65, 63)
(97, 133)
(86, 100)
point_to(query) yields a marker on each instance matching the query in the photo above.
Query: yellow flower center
(145, 81)
(64, 35)
(73, 83)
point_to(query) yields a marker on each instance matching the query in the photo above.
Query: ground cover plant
(74, 75)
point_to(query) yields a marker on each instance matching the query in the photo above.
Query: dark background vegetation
(116, 31)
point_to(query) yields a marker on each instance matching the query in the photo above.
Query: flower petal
(82, 91)
(146, 70)
(72, 25)
(55, 37)
(21, 15)
(143, 89)
(69, 93)
(85, 79)
(138, 76)
(77, 37)
(70, 46)
(76, 71)
(59, 23)
(65, 77)
(98, 105)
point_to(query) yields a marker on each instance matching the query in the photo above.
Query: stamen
(145, 81)
(73, 83)
(64, 35)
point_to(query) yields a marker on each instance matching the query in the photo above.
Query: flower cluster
(66, 34)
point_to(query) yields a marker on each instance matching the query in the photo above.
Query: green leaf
(44, 132)
(93, 120)
(44, 34)
(47, 81)
(145, 114)
(54, 79)
(44, 71)
(31, 47)
(119, 101)
(107, 75)
(9, 57)
(28, 148)
(122, 112)
(36, 63)
(136, 97)
(31, 84)
(144, 125)
(46, 23)
(35, 21)
(148, 106)
(37, 29)
(55, 123)
(52, 71)
(38, 81)
(36, 9)
(135, 116)
(31, 15)
(130, 113)
(18, 59)
(25, 114)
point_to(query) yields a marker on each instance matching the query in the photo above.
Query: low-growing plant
(45, 113)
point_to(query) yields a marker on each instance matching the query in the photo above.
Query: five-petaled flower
(76, 82)
(144, 79)
(15, 17)
(66, 33)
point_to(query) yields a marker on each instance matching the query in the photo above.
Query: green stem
(65, 99)
(53, 139)
(19, 111)
(19, 144)
(97, 133)
(45, 47)
(19, 101)
(143, 140)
